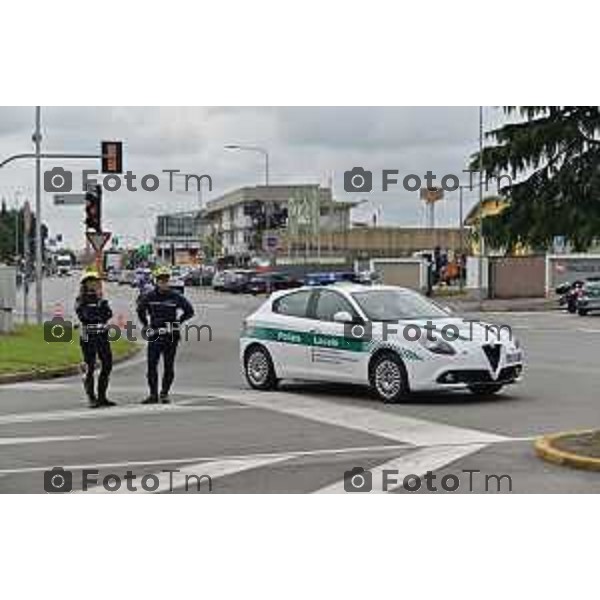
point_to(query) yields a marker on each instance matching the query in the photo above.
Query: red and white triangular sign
(98, 240)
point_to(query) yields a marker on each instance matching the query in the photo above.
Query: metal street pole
(38, 215)
(481, 241)
(17, 223)
(461, 282)
(268, 206)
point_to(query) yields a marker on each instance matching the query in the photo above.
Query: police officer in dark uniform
(161, 312)
(94, 312)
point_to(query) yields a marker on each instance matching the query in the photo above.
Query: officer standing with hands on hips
(94, 312)
(161, 311)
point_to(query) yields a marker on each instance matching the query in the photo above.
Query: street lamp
(258, 149)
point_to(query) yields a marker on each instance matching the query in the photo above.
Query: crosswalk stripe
(136, 409)
(417, 463)
(382, 423)
(11, 441)
(322, 452)
(192, 475)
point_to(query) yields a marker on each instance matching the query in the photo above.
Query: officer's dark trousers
(165, 346)
(97, 345)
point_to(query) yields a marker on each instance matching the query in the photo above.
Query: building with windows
(178, 237)
(245, 218)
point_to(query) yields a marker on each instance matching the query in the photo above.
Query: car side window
(293, 305)
(329, 303)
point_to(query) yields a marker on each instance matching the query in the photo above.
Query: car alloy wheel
(388, 378)
(259, 369)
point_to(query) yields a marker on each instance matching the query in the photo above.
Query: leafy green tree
(553, 157)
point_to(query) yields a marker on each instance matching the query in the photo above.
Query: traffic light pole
(39, 272)
(38, 156)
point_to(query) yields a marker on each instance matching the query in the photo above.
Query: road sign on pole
(69, 199)
(98, 240)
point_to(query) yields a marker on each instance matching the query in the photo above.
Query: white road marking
(32, 386)
(10, 441)
(205, 459)
(416, 463)
(110, 413)
(187, 476)
(381, 423)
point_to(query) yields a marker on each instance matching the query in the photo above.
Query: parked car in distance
(589, 298)
(113, 276)
(218, 280)
(271, 282)
(193, 277)
(177, 281)
(237, 280)
(329, 277)
(126, 277)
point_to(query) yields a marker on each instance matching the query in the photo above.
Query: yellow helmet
(162, 272)
(90, 274)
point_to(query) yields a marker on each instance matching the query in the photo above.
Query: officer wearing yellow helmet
(161, 311)
(94, 312)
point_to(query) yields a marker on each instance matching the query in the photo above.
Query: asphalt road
(304, 437)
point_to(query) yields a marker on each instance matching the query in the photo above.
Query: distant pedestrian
(94, 312)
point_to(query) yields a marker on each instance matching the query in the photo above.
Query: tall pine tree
(552, 154)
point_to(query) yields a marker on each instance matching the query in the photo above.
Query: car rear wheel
(582, 312)
(485, 390)
(259, 369)
(388, 378)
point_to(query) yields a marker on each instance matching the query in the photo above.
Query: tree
(8, 237)
(553, 156)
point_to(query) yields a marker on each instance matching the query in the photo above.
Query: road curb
(544, 449)
(55, 373)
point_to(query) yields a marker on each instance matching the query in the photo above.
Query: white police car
(390, 338)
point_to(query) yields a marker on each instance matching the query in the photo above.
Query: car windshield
(396, 305)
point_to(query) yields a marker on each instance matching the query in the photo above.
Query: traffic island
(26, 356)
(577, 449)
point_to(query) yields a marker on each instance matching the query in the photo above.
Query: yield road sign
(98, 240)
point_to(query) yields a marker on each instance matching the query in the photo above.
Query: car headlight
(437, 346)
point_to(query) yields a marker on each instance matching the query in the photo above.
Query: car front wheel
(259, 369)
(388, 378)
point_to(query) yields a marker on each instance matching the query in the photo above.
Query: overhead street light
(258, 149)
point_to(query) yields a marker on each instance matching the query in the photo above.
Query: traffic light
(93, 209)
(112, 157)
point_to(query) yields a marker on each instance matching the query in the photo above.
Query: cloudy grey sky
(306, 145)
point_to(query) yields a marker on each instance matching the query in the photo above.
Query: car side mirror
(343, 316)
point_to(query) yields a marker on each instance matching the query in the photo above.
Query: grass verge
(25, 350)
